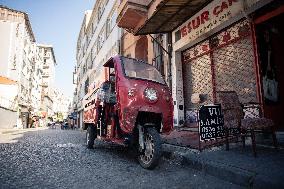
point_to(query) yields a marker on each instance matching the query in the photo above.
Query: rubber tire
(157, 149)
(92, 134)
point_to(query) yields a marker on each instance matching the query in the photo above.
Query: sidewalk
(15, 130)
(236, 165)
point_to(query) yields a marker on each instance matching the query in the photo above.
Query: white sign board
(208, 18)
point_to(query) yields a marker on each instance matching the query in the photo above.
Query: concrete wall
(8, 118)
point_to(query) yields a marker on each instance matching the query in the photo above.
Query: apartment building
(47, 55)
(17, 59)
(98, 40)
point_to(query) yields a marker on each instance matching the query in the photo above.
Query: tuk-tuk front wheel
(91, 136)
(150, 155)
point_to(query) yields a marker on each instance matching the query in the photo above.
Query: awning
(170, 14)
(7, 81)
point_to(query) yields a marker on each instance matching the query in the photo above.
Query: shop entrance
(223, 62)
(270, 40)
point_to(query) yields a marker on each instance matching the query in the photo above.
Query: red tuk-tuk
(132, 107)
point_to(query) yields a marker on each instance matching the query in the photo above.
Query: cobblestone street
(54, 158)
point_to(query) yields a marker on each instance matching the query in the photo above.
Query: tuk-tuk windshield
(140, 70)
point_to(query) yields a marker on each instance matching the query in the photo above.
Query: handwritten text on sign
(211, 122)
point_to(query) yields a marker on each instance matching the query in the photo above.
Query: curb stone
(225, 172)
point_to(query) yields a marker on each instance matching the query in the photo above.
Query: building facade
(61, 104)
(98, 40)
(36, 77)
(17, 58)
(28, 65)
(47, 55)
(219, 45)
(80, 68)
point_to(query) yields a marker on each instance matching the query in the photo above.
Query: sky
(58, 23)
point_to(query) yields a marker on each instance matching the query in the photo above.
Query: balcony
(44, 84)
(44, 74)
(45, 65)
(157, 16)
(132, 13)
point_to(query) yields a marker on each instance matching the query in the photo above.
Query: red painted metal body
(128, 107)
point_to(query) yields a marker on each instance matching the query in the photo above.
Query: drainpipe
(170, 51)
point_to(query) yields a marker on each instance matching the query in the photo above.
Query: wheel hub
(148, 153)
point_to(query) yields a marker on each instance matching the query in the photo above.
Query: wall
(5, 29)
(8, 118)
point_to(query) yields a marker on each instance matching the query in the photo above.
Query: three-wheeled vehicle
(131, 107)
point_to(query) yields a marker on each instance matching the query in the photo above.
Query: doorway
(270, 40)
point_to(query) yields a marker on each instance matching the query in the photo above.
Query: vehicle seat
(108, 92)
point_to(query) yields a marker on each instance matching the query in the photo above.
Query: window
(100, 12)
(10, 16)
(101, 38)
(103, 34)
(17, 30)
(2, 15)
(177, 35)
(24, 64)
(113, 20)
(85, 67)
(98, 44)
(94, 25)
(86, 86)
(140, 70)
(14, 62)
(94, 50)
(44, 60)
(158, 53)
(108, 28)
(89, 61)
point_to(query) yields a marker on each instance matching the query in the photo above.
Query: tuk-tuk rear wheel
(149, 157)
(91, 136)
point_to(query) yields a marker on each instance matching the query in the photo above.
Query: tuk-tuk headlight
(151, 94)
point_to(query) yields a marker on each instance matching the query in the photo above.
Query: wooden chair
(236, 124)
